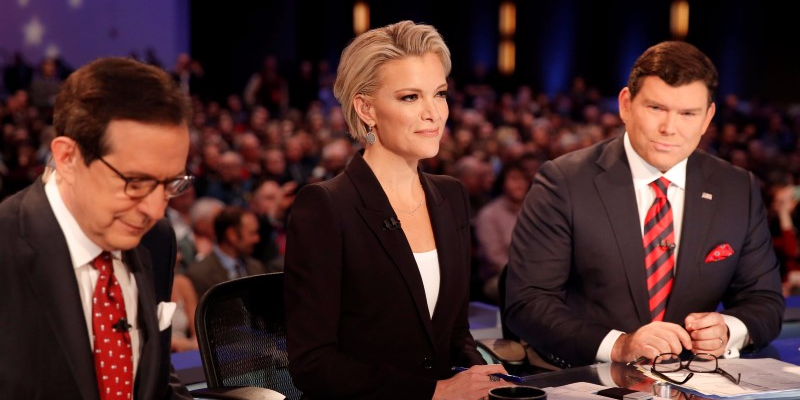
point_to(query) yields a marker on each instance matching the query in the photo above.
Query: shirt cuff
(607, 345)
(738, 336)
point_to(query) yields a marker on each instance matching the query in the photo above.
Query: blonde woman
(377, 258)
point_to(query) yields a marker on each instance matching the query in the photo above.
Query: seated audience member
(475, 174)
(184, 296)
(626, 248)
(179, 215)
(494, 224)
(782, 214)
(236, 232)
(270, 203)
(233, 186)
(202, 214)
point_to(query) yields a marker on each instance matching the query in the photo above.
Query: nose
(154, 205)
(669, 123)
(430, 112)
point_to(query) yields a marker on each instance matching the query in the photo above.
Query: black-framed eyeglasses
(699, 363)
(140, 187)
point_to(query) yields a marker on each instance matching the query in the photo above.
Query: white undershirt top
(82, 251)
(428, 264)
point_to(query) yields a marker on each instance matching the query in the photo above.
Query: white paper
(759, 376)
(579, 391)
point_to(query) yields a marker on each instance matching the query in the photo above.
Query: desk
(618, 374)
(188, 366)
(614, 374)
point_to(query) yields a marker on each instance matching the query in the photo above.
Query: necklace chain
(415, 208)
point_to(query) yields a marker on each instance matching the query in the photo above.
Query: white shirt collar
(81, 249)
(644, 173)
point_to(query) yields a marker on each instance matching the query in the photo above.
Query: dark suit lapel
(375, 209)
(697, 213)
(147, 371)
(52, 277)
(618, 197)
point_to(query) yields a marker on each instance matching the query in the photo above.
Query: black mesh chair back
(241, 331)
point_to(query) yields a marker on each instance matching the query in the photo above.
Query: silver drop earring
(370, 137)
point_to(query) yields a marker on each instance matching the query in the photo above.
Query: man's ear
(624, 101)
(231, 234)
(66, 156)
(364, 109)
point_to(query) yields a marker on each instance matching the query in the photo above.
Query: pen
(636, 361)
(505, 377)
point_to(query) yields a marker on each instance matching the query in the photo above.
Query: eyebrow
(142, 175)
(655, 103)
(416, 90)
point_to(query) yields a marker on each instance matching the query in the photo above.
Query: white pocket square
(164, 312)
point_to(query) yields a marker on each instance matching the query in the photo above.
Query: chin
(430, 151)
(125, 242)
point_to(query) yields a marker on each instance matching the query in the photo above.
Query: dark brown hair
(229, 217)
(676, 63)
(115, 89)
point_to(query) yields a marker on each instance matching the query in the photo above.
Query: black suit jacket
(358, 324)
(45, 348)
(576, 266)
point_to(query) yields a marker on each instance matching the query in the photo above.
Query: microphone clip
(391, 224)
(122, 325)
(667, 246)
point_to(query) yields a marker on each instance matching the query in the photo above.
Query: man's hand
(708, 331)
(650, 341)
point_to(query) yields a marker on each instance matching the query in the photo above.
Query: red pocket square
(719, 253)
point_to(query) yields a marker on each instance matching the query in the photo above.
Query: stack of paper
(579, 391)
(761, 378)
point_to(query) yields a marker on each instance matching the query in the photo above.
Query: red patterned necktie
(113, 357)
(659, 245)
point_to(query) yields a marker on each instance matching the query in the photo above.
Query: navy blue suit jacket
(576, 263)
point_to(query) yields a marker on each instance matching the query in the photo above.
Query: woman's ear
(364, 109)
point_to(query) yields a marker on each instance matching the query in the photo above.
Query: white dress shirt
(82, 251)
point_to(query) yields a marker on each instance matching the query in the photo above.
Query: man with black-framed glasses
(86, 306)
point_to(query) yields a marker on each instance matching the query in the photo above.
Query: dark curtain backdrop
(753, 43)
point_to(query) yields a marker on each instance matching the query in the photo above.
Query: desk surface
(485, 323)
(616, 374)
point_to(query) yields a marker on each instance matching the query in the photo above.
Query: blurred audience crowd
(252, 151)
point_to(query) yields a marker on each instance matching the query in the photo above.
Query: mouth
(663, 146)
(434, 132)
(136, 229)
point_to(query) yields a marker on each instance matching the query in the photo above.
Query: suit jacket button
(427, 363)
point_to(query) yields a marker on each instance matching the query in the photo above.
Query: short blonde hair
(362, 59)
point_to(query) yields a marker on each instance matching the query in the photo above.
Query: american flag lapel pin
(706, 196)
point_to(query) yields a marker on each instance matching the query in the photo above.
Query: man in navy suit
(119, 155)
(577, 287)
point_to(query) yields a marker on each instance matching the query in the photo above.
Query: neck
(228, 250)
(398, 177)
(395, 173)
